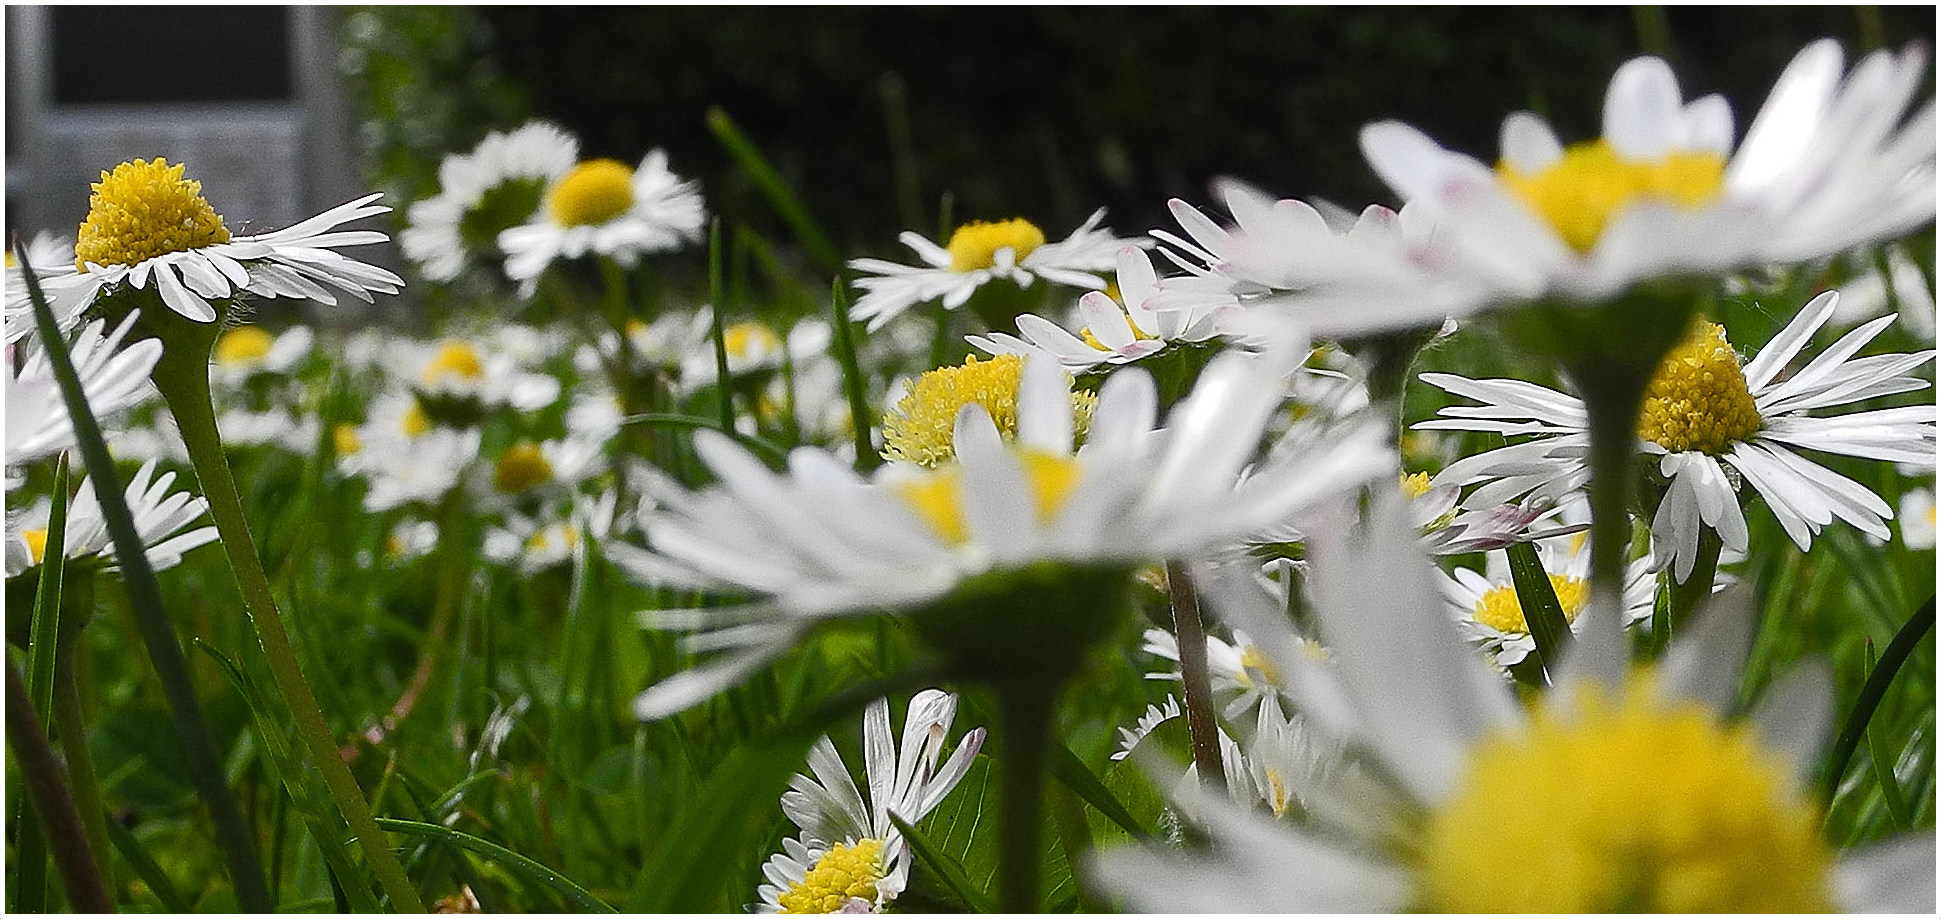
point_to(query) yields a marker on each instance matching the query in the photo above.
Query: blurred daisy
(752, 348)
(1917, 518)
(1012, 250)
(1828, 164)
(534, 544)
(113, 379)
(404, 456)
(47, 255)
(1873, 292)
(246, 351)
(1725, 821)
(466, 371)
(495, 187)
(147, 224)
(158, 515)
(1149, 321)
(1239, 668)
(1704, 413)
(602, 207)
(850, 858)
(821, 542)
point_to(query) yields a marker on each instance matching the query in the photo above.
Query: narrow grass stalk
(1024, 714)
(1883, 761)
(158, 881)
(511, 861)
(1688, 594)
(1870, 695)
(1196, 675)
(71, 724)
(1613, 415)
(1542, 612)
(199, 756)
(785, 202)
(717, 305)
(43, 648)
(48, 791)
(183, 377)
(860, 418)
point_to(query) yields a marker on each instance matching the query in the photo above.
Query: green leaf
(512, 861)
(727, 815)
(946, 867)
(1541, 610)
(1870, 694)
(47, 600)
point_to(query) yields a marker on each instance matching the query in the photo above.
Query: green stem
(183, 377)
(1024, 714)
(51, 801)
(71, 723)
(860, 417)
(1694, 590)
(1870, 695)
(1196, 675)
(1612, 403)
(717, 305)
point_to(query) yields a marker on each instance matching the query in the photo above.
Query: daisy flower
(820, 542)
(47, 255)
(1485, 606)
(1011, 250)
(1621, 789)
(601, 207)
(158, 515)
(1237, 668)
(1827, 164)
(920, 425)
(113, 379)
(850, 857)
(147, 225)
(1704, 412)
(470, 373)
(1917, 518)
(495, 187)
(1151, 320)
(405, 456)
(244, 352)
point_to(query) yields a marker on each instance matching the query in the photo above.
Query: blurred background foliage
(876, 114)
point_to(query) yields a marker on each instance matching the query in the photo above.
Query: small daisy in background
(604, 207)
(850, 857)
(158, 514)
(1488, 611)
(1143, 319)
(1917, 518)
(1014, 251)
(495, 187)
(46, 254)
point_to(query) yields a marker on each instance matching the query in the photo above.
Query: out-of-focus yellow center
(455, 362)
(143, 209)
(36, 540)
(1580, 193)
(975, 244)
(415, 422)
(1252, 660)
(595, 192)
(1500, 610)
(746, 341)
(848, 871)
(1698, 399)
(344, 437)
(543, 538)
(1634, 804)
(922, 427)
(244, 346)
(521, 467)
(937, 497)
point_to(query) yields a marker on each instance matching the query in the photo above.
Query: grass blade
(42, 650)
(718, 304)
(861, 419)
(1870, 694)
(946, 868)
(158, 881)
(1541, 610)
(768, 451)
(510, 860)
(777, 191)
(47, 789)
(1883, 763)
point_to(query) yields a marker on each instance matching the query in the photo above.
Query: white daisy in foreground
(1620, 790)
(602, 207)
(820, 542)
(1704, 413)
(46, 255)
(495, 187)
(1011, 250)
(147, 225)
(158, 515)
(1488, 611)
(113, 379)
(1828, 164)
(850, 857)
(1151, 319)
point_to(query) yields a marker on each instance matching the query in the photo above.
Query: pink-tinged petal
(1106, 321)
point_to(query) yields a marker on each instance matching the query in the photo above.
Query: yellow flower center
(415, 421)
(936, 497)
(143, 209)
(1580, 193)
(243, 346)
(36, 543)
(1415, 484)
(595, 192)
(1253, 661)
(455, 361)
(921, 429)
(847, 871)
(975, 244)
(344, 437)
(1627, 805)
(521, 467)
(542, 539)
(1698, 399)
(1500, 610)
(744, 340)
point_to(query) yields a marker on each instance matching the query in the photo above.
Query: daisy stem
(1688, 594)
(1612, 403)
(1024, 714)
(71, 723)
(1194, 673)
(52, 803)
(182, 375)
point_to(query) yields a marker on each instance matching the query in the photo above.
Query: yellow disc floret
(922, 427)
(1253, 660)
(595, 192)
(1698, 399)
(1630, 805)
(455, 361)
(1415, 484)
(975, 244)
(935, 497)
(36, 540)
(344, 438)
(847, 872)
(521, 467)
(1498, 608)
(243, 346)
(1581, 192)
(143, 209)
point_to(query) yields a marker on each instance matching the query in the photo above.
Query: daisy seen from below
(1628, 789)
(821, 542)
(495, 187)
(603, 207)
(158, 514)
(1706, 413)
(1144, 319)
(1829, 163)
(850, 857)
(148, 225)
(1014, 251)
